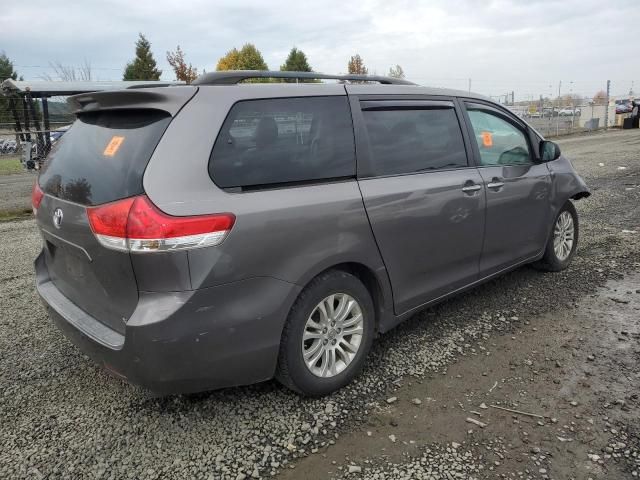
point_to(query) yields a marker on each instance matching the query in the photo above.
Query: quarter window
(414, 140)
(284, 140)
(499, 142)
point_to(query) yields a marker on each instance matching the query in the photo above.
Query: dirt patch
(574, 375)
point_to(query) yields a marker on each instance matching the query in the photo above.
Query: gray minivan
(228, 232)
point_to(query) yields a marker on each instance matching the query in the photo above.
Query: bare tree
(396, 72)
(600, 98)
(69, 73)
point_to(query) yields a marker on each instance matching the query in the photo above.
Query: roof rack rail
(231, 77)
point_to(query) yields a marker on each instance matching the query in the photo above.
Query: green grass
(17, 214)
(10, 164)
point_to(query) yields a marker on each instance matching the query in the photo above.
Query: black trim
(405, 104)
(278, 186)
(232, 77)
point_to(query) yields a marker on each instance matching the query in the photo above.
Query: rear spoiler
(168, 99)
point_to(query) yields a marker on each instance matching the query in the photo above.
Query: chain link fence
(563, 118)
(22, 125)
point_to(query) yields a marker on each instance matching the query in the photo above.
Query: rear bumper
(180, 342)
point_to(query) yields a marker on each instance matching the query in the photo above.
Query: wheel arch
(377, 284)
(580, 194)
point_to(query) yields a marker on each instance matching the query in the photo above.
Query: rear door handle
(471, 188)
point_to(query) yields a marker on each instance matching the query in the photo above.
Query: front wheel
(327, 335)
(562, 244)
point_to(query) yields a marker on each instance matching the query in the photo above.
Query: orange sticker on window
(113, 146)
(487, 139)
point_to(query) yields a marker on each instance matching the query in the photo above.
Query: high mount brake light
(36, 197)
(136, 225)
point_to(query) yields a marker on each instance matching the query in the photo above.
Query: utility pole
(469, 85)
(606, 111)
(558, 112)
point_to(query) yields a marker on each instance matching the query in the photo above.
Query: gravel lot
(15, 191)
(63, 417)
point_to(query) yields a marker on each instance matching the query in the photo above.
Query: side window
(499, 142)
(414, 140)
(284, 140)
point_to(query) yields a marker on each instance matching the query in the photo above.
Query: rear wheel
(327, 336)
(563, 241)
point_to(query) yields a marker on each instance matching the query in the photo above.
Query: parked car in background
(624, 106)
(569, 112)
(203, 236)
(57, 133)
(9, 146)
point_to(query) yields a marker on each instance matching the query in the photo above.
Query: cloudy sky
(526, 46)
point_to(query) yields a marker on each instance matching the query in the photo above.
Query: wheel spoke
(356, 319)
(347, 347)
(332, 362)
(329, 301)
(307, 335)
(324, 317)
(355, 330)
(313, 354)
(343, 355)
(345, 307)
(324, 364)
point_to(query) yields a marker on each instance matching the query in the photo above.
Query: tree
(296, 62)
(6, 71)
(143, 67)
(396, 72)
(247, 58)
(68, 73)
(600, 98)
(183, 72)
(356, 66)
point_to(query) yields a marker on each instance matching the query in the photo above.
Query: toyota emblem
(57, 218)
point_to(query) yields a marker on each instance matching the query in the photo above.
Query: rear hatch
(99, 160)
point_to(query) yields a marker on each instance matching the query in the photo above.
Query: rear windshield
(284, 140)
(102, 157)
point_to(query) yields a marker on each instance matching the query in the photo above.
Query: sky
(529, 47)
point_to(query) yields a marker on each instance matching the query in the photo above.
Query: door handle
(495, 184)
(471, 188)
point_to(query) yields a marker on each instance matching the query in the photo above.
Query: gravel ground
(15, 191)
(63, 417)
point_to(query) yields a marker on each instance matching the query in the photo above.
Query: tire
(292, 371)
(551, 261)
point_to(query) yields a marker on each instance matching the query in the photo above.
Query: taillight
(36, 197)
(137, 225)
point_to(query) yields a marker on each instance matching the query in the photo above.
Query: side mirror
(549, 151)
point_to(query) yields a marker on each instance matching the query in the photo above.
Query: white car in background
(568, 112)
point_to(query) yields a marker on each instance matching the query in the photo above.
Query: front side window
(284, 140)
(499, 142)
(414, 140)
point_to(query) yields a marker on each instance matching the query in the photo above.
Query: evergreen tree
(143, 67)
(296, 62)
